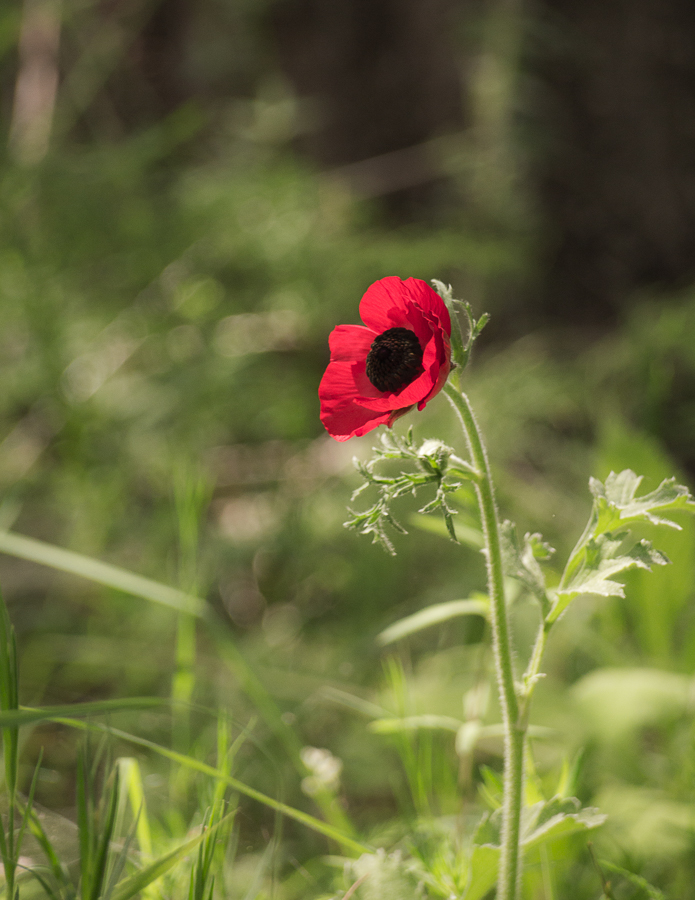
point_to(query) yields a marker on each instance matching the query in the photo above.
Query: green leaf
(652, 892)
(521, 560)
(26, 810)
(556, 818)
(59, 846)
(658, 599)
(605, 557)
(431, 460)
(373, 521)
(491, 789)
(132, 885)
(190, 762)
(477, 605)
(483, 867)
(202, 878)
(108, 809)
(439, 504)
(29, 716)
(617, 503)
(601, 552)
(131, 583)
(102, 573)
(131, 779)
(446, 293)
(545, 821)
(460, 350)
(414, 723)
(48, 889)
(471, 537)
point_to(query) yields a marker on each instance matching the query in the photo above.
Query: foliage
(166, 295)
(434, 463)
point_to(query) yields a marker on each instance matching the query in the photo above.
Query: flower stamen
(394, 360)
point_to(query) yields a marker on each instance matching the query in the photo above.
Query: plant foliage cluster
(215, 690)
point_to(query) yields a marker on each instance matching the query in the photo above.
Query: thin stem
(514, 729)
(534, 665)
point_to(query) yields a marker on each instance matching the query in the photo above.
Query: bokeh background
(192, 196)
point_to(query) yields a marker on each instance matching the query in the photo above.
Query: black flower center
(395, 359)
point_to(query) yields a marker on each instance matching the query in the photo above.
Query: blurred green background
(192, 196)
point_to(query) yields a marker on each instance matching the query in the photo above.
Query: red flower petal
(338, 385)
(440, 381)
(350, 404)
(429, 301)
(350, 420)
(350, 342)
(387, 302)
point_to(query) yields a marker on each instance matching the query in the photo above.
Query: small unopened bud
(435, 454)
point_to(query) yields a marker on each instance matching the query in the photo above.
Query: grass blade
(29, 715)
(47, 888)
(85, 823)
(101, 855)
(103, 573)
(26, 811)
(303, 818)
(433, 615)
(57, 869)
(131, 778)
(130, 583)
(136, 883)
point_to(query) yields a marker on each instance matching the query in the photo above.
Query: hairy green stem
(514, 729)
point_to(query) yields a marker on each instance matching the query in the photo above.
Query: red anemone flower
(402, 358)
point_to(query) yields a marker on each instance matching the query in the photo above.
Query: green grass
(191, 614)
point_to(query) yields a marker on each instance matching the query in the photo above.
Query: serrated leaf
(521, 560)
(556, 818)
(472, 537)
(603, 558)
(440, 504)
(545, 821)
(372, 521)
(431, 460)
(394, 523)
(617, 502)
(446, 512)
(446, 293)
(430, 507)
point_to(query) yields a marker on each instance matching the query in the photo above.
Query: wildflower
(400, 359)
(325, 771)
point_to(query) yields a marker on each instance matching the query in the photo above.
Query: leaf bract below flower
(430, 467)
